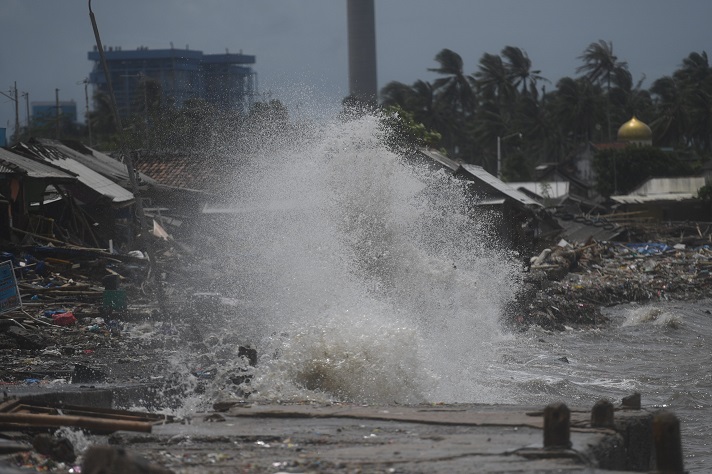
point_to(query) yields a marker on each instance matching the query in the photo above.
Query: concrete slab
(422, 439)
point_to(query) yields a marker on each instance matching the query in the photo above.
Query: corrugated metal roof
(440, 158)
(97, 161)
(544, 189)
(15, 163)
(85, 175)
(580, 232)
(502, 187)
(663, 189)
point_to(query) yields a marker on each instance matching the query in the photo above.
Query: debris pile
(568, 284)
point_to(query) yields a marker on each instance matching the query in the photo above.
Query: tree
(455, 89)
(622, 170)
(577, 106)
(671, 123)
(493, 79)
(599, 66)
(404, 133)
(519, 70)
(695, 78)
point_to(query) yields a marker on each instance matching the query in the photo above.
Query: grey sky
(301, 49)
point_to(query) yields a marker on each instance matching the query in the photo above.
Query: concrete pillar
(602, 414)
(362, 50)
(668, 443)
(557, 426)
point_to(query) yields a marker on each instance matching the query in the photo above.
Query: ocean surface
(361, 277)
(662, 350)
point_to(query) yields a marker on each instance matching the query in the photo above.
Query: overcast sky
(301, 45)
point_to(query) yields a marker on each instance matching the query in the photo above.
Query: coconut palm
(456, 88)
(695, 81)
(628, 99)
(695, 69)
(599, 66)
(493, 79)
(396, 94)
(578, 107)
(671, 118)
(519, 69)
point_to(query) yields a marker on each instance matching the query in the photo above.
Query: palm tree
(519, 69)
(420, 100)
(695, 80)
(456, 88)
(577, 106)
(672, 118)
(493, 79)
(396, 94)
(600, 64)
(695, 69)
(628, 99)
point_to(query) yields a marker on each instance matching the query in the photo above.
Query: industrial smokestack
(362, 50)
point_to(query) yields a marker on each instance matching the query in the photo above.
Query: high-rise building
(226, 80)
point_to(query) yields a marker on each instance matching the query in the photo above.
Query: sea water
(363, 276)
(360, 276)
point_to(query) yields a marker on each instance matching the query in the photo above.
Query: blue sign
(9, 293)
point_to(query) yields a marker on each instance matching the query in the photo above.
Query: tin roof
(544, 189)
(440, 158)
(13, 163)
(102, 163)
(504, 188)
(57, 157)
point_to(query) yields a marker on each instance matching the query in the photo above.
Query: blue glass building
(226, 80)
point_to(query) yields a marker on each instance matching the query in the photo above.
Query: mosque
(635, 132)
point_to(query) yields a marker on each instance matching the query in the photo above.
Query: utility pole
(26, 95)
(142, 230)
(17, 115)
(56, 99)
(13, 97)
(86, 110)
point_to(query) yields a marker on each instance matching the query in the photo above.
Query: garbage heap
(568, 284)
(84, 311)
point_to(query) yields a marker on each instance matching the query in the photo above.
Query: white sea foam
(360, 276)
(651, 314)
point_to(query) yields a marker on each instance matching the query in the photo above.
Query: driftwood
(20, 420)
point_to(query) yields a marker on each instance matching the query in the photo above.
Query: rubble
(568, 284)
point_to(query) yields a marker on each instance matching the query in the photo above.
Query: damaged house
(101, 196)
(520, 223)
(24, 200)
(89, 211)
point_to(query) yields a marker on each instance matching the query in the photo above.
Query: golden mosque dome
(635, 131)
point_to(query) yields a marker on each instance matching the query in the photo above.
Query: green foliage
(506, 95)
(705, 192)
(404, 133)
(622, 170)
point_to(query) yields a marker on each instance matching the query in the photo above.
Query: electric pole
(56, 98)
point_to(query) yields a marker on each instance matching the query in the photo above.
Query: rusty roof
(180, 171)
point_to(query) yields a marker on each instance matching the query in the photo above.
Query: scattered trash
(568, 284)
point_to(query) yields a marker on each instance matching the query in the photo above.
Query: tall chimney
(362, 50)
